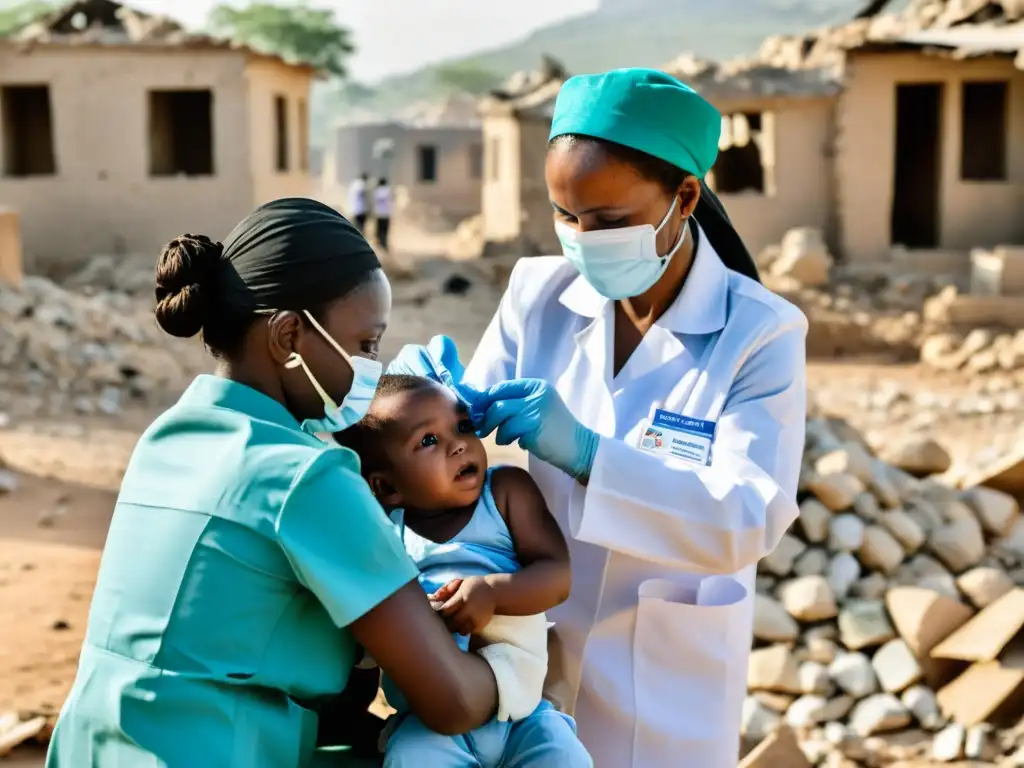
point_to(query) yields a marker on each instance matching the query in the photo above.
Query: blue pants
(545, 739)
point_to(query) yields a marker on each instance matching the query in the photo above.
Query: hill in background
(619, 33)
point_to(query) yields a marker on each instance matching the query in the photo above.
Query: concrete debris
(89, 353)
(14, 731)
(804, 257)
(912, 626)
(978, 351)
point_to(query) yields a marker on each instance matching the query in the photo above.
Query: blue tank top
(484, 546)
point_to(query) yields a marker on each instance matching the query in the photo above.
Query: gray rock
(780, 560)
(813, 562)
(806, 711)
(773, 669)
(895, 666)
(758, 720)
(842, 573)
(879, 713)
(904, 529)
(871, 587)
(948, 746)
(836, 492)
(846, 533)
(921, 701)
(814, 517)
(771, 622)
(808, 598)
(854, 674)
(959, 545)
(814, 678)
(864, 624)
(880, 550)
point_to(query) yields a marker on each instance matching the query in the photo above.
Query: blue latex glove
(439, 360)
(532, 412)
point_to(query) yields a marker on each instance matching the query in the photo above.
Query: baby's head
(418, 447)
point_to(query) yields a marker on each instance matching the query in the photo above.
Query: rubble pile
(826, 48)
(978, 351)
(65, 352)
(849, 314)
(886, 620)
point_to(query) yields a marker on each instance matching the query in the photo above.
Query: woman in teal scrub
(246, 559)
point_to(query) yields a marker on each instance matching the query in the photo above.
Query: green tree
(295, 31)
(466, 77)
(14, 17)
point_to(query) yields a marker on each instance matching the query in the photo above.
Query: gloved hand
(532, 412)
(439, 360)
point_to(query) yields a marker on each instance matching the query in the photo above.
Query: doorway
(915, 204)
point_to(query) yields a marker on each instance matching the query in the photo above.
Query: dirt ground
(53, 526)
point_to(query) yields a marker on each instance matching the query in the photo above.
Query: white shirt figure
(382, 201)
(650, 651)
(357, 194)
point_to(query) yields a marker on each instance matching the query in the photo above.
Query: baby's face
(437, 461)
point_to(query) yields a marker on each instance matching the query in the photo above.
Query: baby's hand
(468, 604)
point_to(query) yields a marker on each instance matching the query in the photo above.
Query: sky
(395, 36)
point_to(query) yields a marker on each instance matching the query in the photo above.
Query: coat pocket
(687, 651)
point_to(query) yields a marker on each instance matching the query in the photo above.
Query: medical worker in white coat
(662, 399)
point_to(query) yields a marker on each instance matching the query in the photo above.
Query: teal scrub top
(239, 551)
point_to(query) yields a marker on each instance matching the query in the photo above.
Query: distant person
(359, 201)
(382, 211)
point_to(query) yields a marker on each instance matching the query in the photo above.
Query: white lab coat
(650, 651)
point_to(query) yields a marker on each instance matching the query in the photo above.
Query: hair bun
(184, 284)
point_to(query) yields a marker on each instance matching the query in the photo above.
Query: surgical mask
(620, 263)
(365, 377)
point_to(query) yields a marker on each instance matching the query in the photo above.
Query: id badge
(668, 434)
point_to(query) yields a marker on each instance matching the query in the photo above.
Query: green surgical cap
(643, 109)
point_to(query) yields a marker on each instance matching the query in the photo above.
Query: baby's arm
(545, 577)
(543, 580)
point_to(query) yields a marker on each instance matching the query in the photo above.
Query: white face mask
(365, 377)
(620, 263)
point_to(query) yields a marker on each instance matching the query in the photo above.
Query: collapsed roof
(109, 23)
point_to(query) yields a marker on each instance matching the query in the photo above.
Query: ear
(689, 196)
(384, 489)
(285, 335)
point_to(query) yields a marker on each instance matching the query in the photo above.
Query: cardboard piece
(779, 750)
(1006, 474)
(985, 636)
(980, 691)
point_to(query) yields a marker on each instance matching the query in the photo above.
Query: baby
(491, 557)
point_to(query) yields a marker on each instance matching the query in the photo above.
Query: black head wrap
(294, 253)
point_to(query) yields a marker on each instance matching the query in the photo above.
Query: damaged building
(893, 132)
(120, 130)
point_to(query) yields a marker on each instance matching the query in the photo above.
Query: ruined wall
(102, 199)
(500, 198)
(538, 223)
(798, 159)
(269, 79)
(971, 213)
